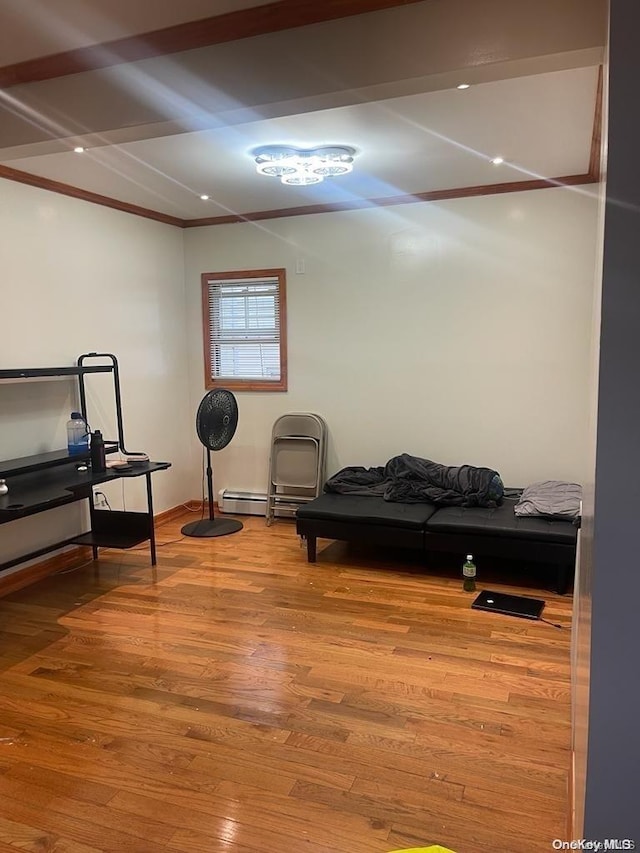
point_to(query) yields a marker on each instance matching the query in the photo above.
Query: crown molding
(306, 210)
(389, 201)
(85, 195)
(596, 136)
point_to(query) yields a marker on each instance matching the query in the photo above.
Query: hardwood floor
(238, 699)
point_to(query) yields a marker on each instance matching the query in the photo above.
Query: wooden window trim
(238, 384)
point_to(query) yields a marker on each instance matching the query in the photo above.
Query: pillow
(551, 498)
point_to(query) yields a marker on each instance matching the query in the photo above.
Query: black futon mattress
(364, 509)
(496, 521)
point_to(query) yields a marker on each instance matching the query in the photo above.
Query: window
(245, 330)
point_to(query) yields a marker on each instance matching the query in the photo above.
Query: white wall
(74, 278)
(457, 331)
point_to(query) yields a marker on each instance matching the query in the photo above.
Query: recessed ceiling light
(497, 161)
(204, 197)
(79, 149)
(463, 85)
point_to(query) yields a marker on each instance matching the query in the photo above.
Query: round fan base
(212, 527)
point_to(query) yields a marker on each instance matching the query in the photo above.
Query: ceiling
(167, 125)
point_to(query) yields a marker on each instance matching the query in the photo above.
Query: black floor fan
(216, 422)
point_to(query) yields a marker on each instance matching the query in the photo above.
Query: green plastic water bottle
(469, 574)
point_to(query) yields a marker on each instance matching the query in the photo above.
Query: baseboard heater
(242, 503)
(248, 503)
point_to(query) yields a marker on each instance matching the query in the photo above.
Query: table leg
(152, 529)
(90, 498)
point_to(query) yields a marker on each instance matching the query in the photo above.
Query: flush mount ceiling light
(301, 167)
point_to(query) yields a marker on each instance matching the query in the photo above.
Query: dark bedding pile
(410, 479)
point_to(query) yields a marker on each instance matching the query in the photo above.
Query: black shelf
(42, 461)
(110, 540)
(35, 492)
(44, 372)
(39, 490)
(116, 529)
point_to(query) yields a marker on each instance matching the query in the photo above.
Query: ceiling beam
(244, 23)
(390, 53)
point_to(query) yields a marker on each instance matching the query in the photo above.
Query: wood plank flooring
(238, 699)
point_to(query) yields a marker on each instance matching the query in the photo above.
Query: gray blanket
(551, 499)
(410, 479)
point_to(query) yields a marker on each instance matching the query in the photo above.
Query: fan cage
(217, 418)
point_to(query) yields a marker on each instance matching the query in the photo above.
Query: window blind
(244, 318)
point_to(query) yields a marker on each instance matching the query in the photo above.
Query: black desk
(39, 483)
